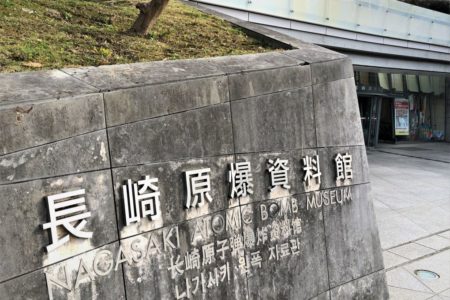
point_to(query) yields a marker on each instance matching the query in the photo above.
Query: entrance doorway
(387, 129)
(369, 109)
(377, 119)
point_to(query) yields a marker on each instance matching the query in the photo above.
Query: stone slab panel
(87, 276)
(328, 71)
(29, 286)
(359, 166)
(249, 84)
(96, 274)
(311, 53)
(275, 122)
(88, 152)
(204, 276)
(323, 296)
(398, 293)
(291, 243)
(25, 126)
(29, 86)
(259, 163)
(197, 133)
(23, 209)
(172, 187)
(353, 245)
(253, 62)
(130, 105)
(337, 115)
(392, 260)
(412, 251)
(107, 78)
(113, 77)
(372, 286)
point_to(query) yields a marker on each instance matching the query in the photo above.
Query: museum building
(400, 53)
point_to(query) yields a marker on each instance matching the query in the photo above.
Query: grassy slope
(44, 34)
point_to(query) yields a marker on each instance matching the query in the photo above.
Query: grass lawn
(48, 34)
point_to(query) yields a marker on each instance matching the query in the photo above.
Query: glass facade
(400, 106)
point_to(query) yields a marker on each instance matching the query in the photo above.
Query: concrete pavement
(411, 193)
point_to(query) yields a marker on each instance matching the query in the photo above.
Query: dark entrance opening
(387, 133)
(369, 109)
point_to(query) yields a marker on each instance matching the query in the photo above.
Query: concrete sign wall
(226, 178)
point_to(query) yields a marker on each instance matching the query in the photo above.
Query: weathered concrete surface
(332, 70)
(37, 123)
(108, 78)
(313, 54)
(196, 133)
(96, 274)
(51, 159)
(354, 243)
(372, 286)
(337, 114)
(126, 106)
(296, 275)
(23, 210)
(24, 87)
(324, 296)
(253, 62)
(151, 277)
(89, 271)
(163, 119)
(279, 121)
(249, 84)
(28, 286)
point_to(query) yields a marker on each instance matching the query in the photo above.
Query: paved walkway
(430, 151)
(411, 191)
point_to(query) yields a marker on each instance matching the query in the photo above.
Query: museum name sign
(209, 264)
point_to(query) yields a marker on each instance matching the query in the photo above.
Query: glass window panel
(364, 78)
(397, 82)
(280, 8)
(373, 79)
(424, 82)
(371, 17)
(411, 83)
(309, 11)
(341, 14)
(383, 79)
(438, 84)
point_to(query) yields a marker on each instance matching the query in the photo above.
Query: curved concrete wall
(92, 131)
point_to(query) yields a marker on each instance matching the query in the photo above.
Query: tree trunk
(148, 14)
